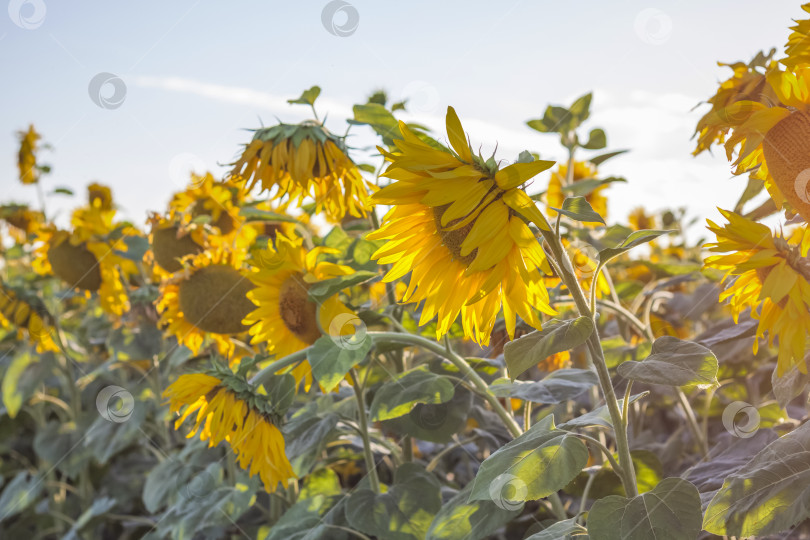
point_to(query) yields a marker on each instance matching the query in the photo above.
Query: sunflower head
(769, 274)
(227, 408)
(305, 160)
(27, 314)
(172, 242)
(27, 156)
(460, 226)
(639, 219)
(73, 263)
(21, 220)
(207, 299)
(99, 196)
(205, 196)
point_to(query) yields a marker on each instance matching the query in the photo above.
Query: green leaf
(635, 239)
(559, 386)
(670, 511)
(307, 436)
(435, 422)
(538, 463)
(674, 362)
(98, 508)
(581, 108)
(462, 520)
(280, 390)
(769, 494)
(380, 119)
(19, 494)
(321, 290)
(136, 247)
(598, 160)
(330, 362)
(754, 187)
(581, 188)
(556, 336)
(596, 140)
(62, 191)
(562, 530)
(404, 512)
(599, 416)
(579, 209)
(308, 97)
(314, 518)
(399, 396)
(12, 389)
(790, 384)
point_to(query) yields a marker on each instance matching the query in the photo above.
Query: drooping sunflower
(459, 226)
(89, 257)
(285, 318)
(771, 275)
(27, 156)
(582, 171)
(236, 415)
(207, 299)
(22, 222)
(295, 161)
(28, 315)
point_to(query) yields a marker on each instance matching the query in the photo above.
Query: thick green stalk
(568, 276)
(363, 421)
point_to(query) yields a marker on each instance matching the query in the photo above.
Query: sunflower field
(427, 343)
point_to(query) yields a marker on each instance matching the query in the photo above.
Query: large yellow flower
(772, 277)
(27, 156)
(207, 299)
(27, 313)
(305, 160)
(89, 257)
(285, 318)
(459, 227)
(770, 137)
(224, 414)
(582, 171)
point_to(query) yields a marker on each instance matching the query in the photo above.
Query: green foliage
(555, 337)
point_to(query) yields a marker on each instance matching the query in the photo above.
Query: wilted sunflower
(21, 220)
(582, 171)
(207, 298)
(27, 313)
(771, 275)
(772, 138)
(222, 413)
(305, 160)
(459, 227)
(27, 156)
(285, 318)
(90, 256)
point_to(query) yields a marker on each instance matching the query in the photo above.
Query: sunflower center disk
(168, 248)
(452, 239)
(214, 299)
(75, 265)
(299, 313)
(787, 152)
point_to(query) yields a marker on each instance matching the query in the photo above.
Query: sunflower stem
(363, 421)
(569, 277)
(262, 376)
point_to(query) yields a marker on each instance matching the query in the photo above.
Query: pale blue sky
(197, 72)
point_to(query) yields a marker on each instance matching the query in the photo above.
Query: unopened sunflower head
(770, 274)
(27, 156)
(460, 226)
(228, 408)
(286, 319)
(208, 298)
(582, 171)
(305, 160)
(27, 313)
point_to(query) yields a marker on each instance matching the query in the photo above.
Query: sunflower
(205, 196)
(27, 156)
(170, 242)
(582, 171)
(22, 222)
(640, 220)
(771, 275)
(771, 138)
(458, 225)
(27, 313)
(285, 318)
(99, 196)
(207, 299)
(798, 46)
(305, 160)
(90, 256)
(222, 413)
